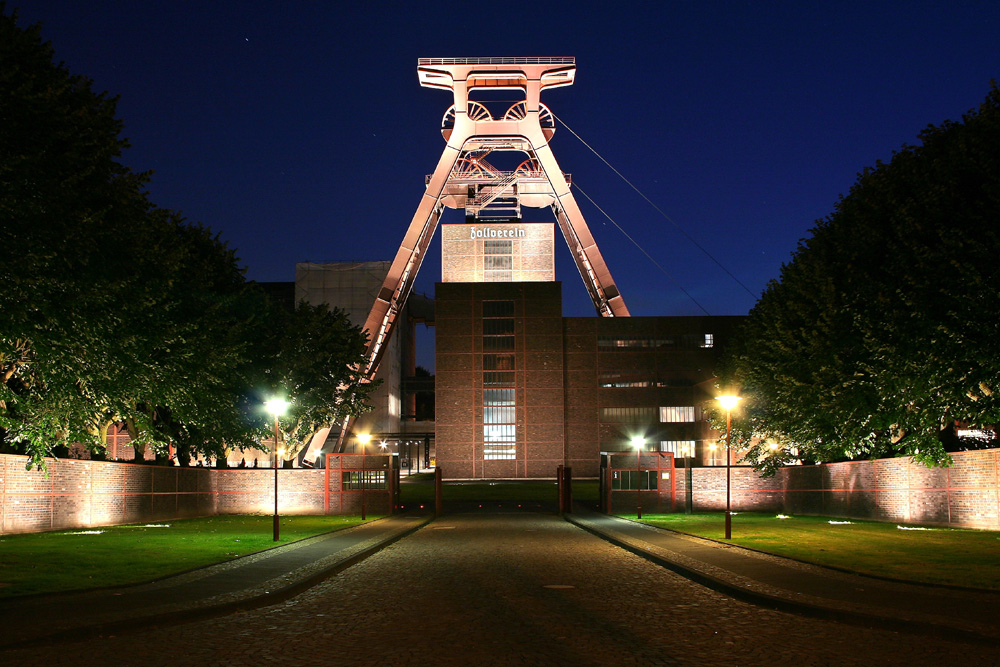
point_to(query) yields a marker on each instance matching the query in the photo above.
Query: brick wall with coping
(965, 495)
(79, 493)
(76, 493)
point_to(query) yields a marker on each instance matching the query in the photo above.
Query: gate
(638, 483)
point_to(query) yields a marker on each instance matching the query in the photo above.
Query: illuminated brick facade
(522, 390)
(497, 252)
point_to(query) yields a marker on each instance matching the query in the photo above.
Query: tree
(881, 332)
(317, 352)
(111, 309)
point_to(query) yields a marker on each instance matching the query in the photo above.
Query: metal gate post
(559, 485)
(437, 492)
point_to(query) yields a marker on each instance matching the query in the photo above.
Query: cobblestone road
(507, 589)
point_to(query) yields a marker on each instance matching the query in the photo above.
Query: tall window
(499, 409)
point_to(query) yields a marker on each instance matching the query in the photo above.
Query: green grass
(969, 558)
(118, 555)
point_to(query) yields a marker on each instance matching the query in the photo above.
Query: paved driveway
(507, 589)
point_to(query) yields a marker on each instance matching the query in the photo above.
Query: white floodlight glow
(276, 406)
(728, 402)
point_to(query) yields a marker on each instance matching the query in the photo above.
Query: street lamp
(638, 442)
(363, 439)
(277, 407)
(728, 402)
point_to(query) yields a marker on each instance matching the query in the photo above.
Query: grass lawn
(118, 555)
(969, 558)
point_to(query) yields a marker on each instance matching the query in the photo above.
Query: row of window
(621, 379)
(681, 342)
(645, 415)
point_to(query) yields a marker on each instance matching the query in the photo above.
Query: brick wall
(80, 493)
(965, 495)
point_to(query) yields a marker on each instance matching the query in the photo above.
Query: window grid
(497, 247)
(498, 309)
(498, 261)
(679, 448)
(499, 396)
(678, 342)
(619, 380)
(677, 413)
(368, 480)
(498, 362)
(628, 415)
(625, 480)
(493, 379)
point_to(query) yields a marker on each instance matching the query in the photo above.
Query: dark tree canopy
(113, 310)
(882, 331)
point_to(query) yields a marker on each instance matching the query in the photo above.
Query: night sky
(299, 133)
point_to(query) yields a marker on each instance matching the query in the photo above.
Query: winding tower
(465, 179)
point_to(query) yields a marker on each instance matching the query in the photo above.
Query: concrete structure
(352, 287)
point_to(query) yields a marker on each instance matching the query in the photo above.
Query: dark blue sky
(298, 131)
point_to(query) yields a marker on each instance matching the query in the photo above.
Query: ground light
(728, 402)
(277, 407)
(638, 442)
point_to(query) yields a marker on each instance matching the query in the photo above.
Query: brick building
(522, 389)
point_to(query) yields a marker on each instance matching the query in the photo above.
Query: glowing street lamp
(363, 439)
(728, 403)
(638, 442)
(277, 407)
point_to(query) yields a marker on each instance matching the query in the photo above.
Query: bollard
(568, 489)
(437, 492)
(607, 491)
(559, 486)
(391, 479)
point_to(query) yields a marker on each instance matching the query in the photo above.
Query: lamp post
(728, 402)
(277, 407)
(638, 442)
(363, 439)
